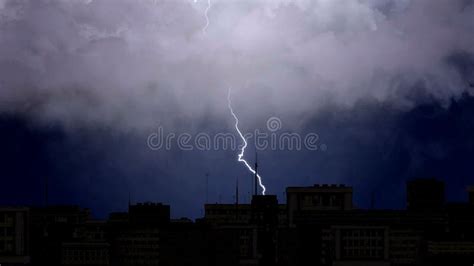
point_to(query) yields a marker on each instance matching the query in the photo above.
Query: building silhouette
(425, 194)
(14, 235)
(319, 225)
(470, 191)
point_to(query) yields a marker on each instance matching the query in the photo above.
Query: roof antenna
(46, 191)
(207, 188)
(372, 200)
(237, 191)
(256, 174)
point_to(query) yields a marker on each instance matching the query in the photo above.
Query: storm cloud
(139, 63)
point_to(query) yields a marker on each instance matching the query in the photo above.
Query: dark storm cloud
(137, 63)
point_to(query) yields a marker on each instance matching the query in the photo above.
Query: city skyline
(318, 224)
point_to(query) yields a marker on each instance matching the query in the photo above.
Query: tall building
(248, 231)
(136, 238)
(14, 234)
(265, 217)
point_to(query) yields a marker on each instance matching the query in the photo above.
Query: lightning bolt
(206, 15)
(204, 30)
(242, 150)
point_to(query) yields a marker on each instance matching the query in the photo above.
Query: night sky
(387, 86)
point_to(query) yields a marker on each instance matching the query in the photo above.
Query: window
(362, 243)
